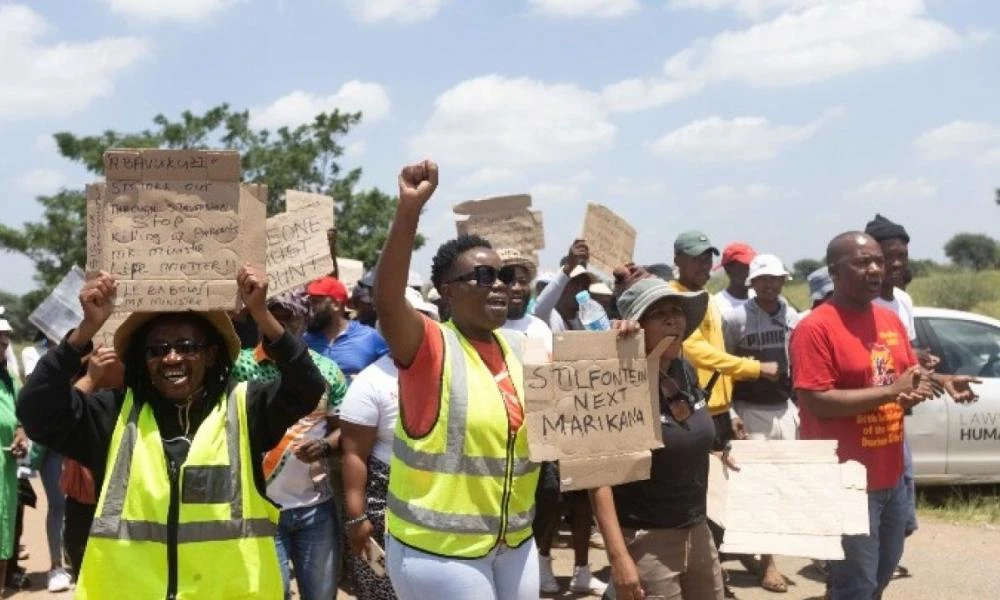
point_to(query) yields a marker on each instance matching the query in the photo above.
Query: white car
(954, 443)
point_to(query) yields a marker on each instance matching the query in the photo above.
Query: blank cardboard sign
(790, 497)
(506, 221)
(595, 408)
(297, 250)
(174, 227)
(610, 238)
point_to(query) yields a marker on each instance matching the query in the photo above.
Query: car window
(968, 347)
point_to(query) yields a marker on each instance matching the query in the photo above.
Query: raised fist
(417, 183)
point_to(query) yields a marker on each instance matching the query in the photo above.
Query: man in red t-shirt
(855, 373)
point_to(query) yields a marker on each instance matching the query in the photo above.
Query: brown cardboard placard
(105, 336)
(297, 250)
(506, 221)
(174, 227)
(610, 238)
(595, 404)
(791, 497)
(351, 271)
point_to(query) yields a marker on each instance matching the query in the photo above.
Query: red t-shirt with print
(840, 348)
(420, 383)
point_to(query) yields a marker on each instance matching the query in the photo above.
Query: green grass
(969, 503)
(968, 291)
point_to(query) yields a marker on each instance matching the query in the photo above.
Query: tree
(802, 268)
(973, 251)
(55, 244)
(302, 158)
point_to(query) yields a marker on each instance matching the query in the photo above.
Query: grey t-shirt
(750, 332)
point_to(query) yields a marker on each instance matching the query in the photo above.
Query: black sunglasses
(182, 347)
(486, 276)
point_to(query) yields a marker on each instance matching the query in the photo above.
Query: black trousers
(78, 519)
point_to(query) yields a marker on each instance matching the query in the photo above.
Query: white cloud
(640, 94)
(976, 141)
(300, 107)
(731, 193)
(400, 11)
(488, 176)
(739, 139)
(355, 150)
(56, 79)
(623, 187)
(41, 181)
(547, 194)
(749, 8)
(808, 41)
(495, 122)
(154, 11)
(603, 9)
(893, 188)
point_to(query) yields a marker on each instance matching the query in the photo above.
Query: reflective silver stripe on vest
(109, 523)
(456, 523)
(481, 466)
(454, 460)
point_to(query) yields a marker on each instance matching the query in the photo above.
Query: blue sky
(777, 122)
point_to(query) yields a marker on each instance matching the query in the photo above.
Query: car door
(971, 347)
(927, 427)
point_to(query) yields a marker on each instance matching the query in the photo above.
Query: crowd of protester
(374, 439)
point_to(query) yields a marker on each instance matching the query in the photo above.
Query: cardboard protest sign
(106, 335)
(791, 498)
(174, 227)
(610, 238)
(61, 310)
(506, 221)
(595, 408)
(297, 250)
(351, 271)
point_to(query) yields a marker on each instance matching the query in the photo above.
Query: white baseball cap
(767, 264)
(417, 301)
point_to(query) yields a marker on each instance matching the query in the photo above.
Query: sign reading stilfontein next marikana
(595, 408)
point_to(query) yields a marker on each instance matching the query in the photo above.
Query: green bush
(958, 291)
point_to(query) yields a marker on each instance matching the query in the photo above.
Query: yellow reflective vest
(205, 532)
(468, 485)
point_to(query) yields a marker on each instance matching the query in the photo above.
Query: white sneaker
(585, 583)
(58, 580)
(546, 578)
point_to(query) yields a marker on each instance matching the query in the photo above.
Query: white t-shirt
(537, 332)
(728, 302)
(373, 401)
(292, 483)
(902, 305)
(558, 324)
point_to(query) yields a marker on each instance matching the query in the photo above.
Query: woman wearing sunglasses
(182, 511)
(461, 490)
(655, 531)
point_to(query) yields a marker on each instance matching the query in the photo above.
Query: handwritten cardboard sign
(174, 227)
(105, 336)
(61, 310)
(506, 221)
(610, 238)
(595, 408)
(297, 250)
(790, 497)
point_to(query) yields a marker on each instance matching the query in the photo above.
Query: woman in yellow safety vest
(182, 511)
(461, 488)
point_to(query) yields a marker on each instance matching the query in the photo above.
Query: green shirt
(253, 365)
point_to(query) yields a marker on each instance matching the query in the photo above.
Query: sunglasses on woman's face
(183, 348)
(486, 276)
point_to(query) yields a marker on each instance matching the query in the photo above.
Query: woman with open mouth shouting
(462, 491)
(182, 511)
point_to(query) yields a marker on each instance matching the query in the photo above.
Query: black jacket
(79, 426)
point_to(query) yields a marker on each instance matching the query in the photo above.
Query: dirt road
(947, 561)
